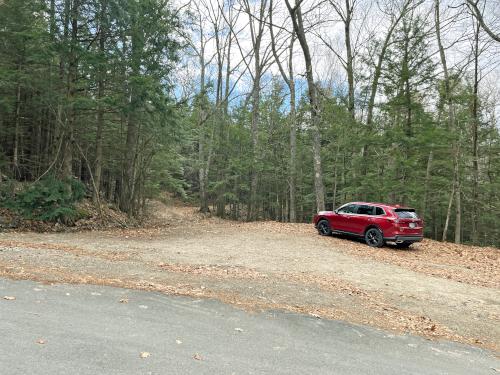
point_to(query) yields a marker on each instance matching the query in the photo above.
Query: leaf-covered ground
(433, 289)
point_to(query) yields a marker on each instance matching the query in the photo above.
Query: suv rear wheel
(374, 237)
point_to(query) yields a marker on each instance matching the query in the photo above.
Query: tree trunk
(475, 128)
(256, 36)
(448, 213)
(100, 95)
(426, 183)
(67, 164)
(452, 126)
(17, 132)
(290, 82)
(349, 57)
(129, 170)
(293, 150)
(298, 25)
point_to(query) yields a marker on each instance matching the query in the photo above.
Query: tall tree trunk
(349, 57)
(292, 119)
(17, 132)
(293, 149)
(448, 213)
(67, 164)
(252, 206)
(256, 35)
(202, 118)
(427, 183)
(103, 31)
(298, 25)
(221, 178)
(458, 210)
(127, 193)
(453, 127)
(475, 128)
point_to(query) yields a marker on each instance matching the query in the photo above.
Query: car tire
(324, 228)
(374, 237)
(404, 245)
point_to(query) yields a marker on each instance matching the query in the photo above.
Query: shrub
(49, 199)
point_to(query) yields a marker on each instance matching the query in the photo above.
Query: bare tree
(298, 26)
(345, 10)
(288, 77)
(213, 25)
(257, 20)
(476, 12)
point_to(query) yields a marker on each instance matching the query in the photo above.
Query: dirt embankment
(435, 290)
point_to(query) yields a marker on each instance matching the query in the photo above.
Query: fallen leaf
(238, 329)
(178, 342)
(41, 341)
(197, 357)
(124, 300)
(9, 298)
(144, 354)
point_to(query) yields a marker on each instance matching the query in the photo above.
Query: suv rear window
(406, 213)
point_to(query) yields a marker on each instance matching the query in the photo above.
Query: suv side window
(379, 211)
(365, 210)
(349, 209)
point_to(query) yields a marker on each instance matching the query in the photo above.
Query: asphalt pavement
(84, 329)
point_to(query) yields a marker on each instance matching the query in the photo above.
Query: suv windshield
(406, 213)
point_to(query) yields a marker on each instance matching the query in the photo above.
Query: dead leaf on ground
(9, 298)
(197, 357)
(41, 341)
(238, 329)
(178, 342)
(124, 300)
(144, 354)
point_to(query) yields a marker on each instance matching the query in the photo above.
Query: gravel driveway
(434, 290)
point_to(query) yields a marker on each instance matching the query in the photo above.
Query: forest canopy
(255, 109)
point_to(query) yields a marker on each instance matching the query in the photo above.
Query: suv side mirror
(336, 211)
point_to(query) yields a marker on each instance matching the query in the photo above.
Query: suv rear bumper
(399, 239)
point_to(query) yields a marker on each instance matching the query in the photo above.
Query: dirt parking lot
(434, 290)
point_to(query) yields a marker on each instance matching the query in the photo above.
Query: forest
(255, 109)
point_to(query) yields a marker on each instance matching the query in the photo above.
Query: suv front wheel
(374, 237)
(324, 228)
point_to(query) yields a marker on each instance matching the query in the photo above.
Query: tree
(288, 77)
(298, 26)
(474, 8)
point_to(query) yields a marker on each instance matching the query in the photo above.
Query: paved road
(87, 330)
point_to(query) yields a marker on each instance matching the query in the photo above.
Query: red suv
(377, 223)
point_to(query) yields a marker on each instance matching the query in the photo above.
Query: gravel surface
(433, 290)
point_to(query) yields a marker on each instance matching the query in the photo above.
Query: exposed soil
(432, 289)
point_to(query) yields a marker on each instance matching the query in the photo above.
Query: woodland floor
(436, 290)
